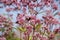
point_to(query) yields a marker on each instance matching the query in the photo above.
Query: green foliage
(11, 37)
(2, 29)
(22, 29)
(30, 37)
(38, 26)
(58, 36)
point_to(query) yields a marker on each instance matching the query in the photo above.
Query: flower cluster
(36, 20)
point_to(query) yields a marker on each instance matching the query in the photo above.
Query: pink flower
(34, 0)
(48, 12)
(33, 17)
(8, 9)
(38, 21)
(39, 4)
(20, 16)
(57, 30)
(18, 7)
(24, 9)
(29, 29)
(2, 18)
(46, 2)
(21, 21)
(2, 38)
(38, 35)
(51, 36)
(31, 5)
(33, 22)
(55, 21)
(46, 28)
(59, 13)
(55, 6)
(43, 38)
(50, 20)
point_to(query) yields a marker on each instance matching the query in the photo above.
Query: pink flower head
(39, 4)
(33, 22)
(51, 36)
(20, 16)
(59, 13)
(8, 9)
(2, 18)
(31, 5)
(24, 9)
(38, 35)
(50, 20)
(46, 28)
(38, 21)
(43, 38)
(29, 29)
(2, 38)
(46, 2)
(34, 0)
(57, 30)
(48, 12)
(33, 17)
(20, 19)
(55, 21)
(55, 6)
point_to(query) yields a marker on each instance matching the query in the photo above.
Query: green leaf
(30, 37)
(17, 39)
(2, 29)
(22, 29)
(38, 26)
(10, 36)
(58, 36)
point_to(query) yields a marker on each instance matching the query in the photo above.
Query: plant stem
(28, 36)
(33, 32)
